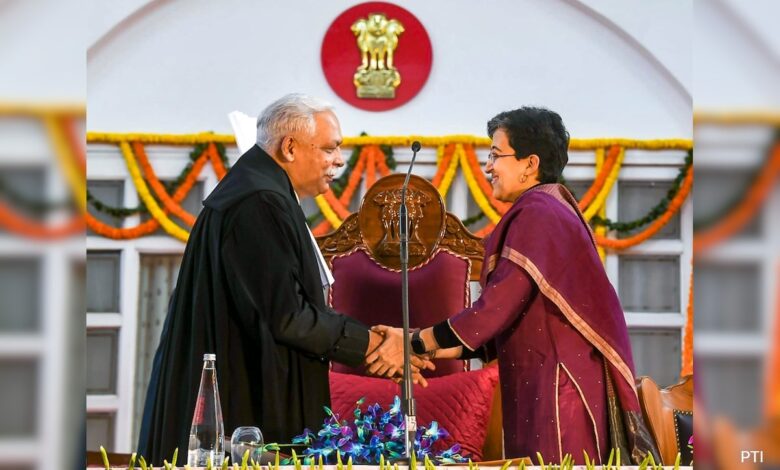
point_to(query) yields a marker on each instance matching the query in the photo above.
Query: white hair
(288, 115)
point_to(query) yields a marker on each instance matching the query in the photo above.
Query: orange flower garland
(75, 143)
(449, 150)
(773, 384)
(371, 167)
(598, 183)
(151, 225)
(352, 184)
(21, 226)
(355, 176)
(687, 352)
(657, 225)
(159, 189)
(740, 216)
(219, 168)
(485, 231)
(381, 162)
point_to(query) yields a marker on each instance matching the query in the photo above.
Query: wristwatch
(418, 346)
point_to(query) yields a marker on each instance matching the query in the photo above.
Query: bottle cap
(209, 357)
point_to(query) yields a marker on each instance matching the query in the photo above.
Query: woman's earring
(524, 178)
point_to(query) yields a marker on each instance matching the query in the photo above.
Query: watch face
(417, 344)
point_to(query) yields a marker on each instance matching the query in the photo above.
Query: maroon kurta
(559, 333)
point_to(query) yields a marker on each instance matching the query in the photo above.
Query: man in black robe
(250, 289)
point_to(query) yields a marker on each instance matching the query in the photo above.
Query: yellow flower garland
(449, 175)
(42, 110)
(607, 188)
(459, 159)
(600, 155)
(169, 139)
(392, 140)
(328, 212)
(74, 176)
(476, 191)
(146, 196)
(747, 118)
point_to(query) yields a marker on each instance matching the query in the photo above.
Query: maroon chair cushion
(459, 402)
(371, 293)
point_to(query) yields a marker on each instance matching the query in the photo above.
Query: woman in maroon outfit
(547, 310)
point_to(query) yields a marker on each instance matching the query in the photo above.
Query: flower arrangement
(373, 436)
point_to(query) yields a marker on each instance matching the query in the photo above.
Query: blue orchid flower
(373, 434)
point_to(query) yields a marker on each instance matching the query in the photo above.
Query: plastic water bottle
(207, 434)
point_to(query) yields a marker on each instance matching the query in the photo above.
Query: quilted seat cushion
(372, 294)
(459, 402)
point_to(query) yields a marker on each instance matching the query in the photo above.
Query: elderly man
(250, 289)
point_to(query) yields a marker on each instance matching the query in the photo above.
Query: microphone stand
(409, 408)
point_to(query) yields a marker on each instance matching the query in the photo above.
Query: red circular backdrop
(341, 57)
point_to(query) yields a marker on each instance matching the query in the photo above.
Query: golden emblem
(389, 202)
(377, 39)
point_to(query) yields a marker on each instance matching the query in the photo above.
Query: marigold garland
(687, 352)
(371, 167)
(391, 140)
(601, 176)
(773, 384)
(381, 162)
(67, 160)
(599, 201)
(657, 225)
(335, 208)
(355, 176)
(449, 174)
(151, 225)
(744, 212)
(476, 192)
(486, 230)
(19, 225)
(602, 209)
(163, 139)
(655, 212)
(75, 142)
(326, 206)
(143, 192)
(171, 206)
(443, 160)
(216, 161)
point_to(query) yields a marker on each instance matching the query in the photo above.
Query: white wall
(175, 66)
(737, 47)
(42, 51)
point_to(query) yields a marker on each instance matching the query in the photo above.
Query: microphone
(415, 148)
(409, 411)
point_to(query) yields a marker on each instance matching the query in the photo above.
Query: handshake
(385, 357)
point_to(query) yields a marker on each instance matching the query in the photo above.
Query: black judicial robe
(248, 290)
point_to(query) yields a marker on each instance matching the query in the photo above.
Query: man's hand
(388, 359)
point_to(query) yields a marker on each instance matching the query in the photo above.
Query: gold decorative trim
(558, 411)
(676, 427)
(587, 407)
(459, 338)
(491, 264)
(582, 326)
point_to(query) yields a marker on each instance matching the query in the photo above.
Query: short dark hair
(536, 131)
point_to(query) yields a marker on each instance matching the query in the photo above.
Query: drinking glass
(246, 438)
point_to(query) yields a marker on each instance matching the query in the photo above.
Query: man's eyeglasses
(492, 157)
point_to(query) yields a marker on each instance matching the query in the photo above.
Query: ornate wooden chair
(669, 414)
(443, 258)
(364, 256)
